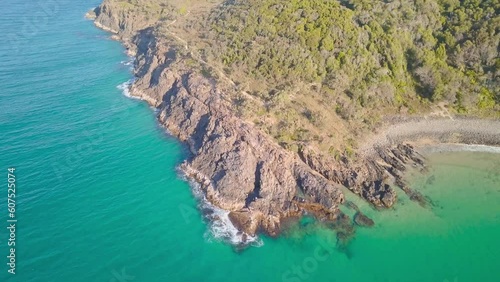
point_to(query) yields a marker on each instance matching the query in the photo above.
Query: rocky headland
(245, 171)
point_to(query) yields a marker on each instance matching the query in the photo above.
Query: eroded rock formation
(240, 168)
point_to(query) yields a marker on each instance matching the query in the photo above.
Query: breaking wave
(129, 63)
(125, 88)
(220, 227)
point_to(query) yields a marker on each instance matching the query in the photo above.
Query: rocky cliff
(240, 168)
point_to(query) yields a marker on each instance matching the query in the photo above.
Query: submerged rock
(362, 220)
(243, 222)
(352, 205)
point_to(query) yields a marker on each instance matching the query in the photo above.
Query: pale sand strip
(425, 131)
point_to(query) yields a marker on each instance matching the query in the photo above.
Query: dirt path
(198, 58)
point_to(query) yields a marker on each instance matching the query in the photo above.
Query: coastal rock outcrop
(122, 18)
(370, 176)
(239, 167)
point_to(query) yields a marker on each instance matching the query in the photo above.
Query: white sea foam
(220, 226)
(129, 63)
(460, 147)
(125, 88)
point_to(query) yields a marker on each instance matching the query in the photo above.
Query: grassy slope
(322, 72)
(322, 66)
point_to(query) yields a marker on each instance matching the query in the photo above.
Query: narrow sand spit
(431, 131)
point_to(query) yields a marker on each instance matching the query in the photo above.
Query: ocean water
(99, 198)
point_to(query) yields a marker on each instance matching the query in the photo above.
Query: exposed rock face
(240, 168)
(120, 20)
(370, 176)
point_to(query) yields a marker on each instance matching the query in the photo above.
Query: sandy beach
(436, 133)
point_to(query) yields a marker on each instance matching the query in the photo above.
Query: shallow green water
(99, 198)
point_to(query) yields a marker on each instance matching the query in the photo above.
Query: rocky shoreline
(239, 168)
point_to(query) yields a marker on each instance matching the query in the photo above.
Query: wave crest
(220, 226)
(125, 88)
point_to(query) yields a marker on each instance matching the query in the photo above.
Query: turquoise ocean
(99, 197)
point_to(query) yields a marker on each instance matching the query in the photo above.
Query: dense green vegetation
(323, 73)
(367, 54)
